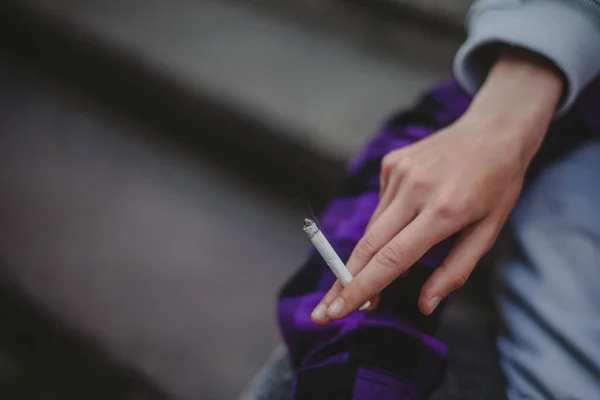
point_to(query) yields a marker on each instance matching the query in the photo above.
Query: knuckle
(387, 163)
(443, 211)
(458, 280)
(448, 207)
(365, 248)
(390, 256)
(416, 180)
(403, 164)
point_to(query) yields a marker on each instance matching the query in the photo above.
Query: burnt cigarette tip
(310, 228)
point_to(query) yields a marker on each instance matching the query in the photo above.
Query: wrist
(521, 87)
(519, 98)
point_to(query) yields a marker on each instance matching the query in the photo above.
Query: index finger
(391, 261)
(392, 220)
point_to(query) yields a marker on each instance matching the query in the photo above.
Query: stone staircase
(285, 90)
(301, 84)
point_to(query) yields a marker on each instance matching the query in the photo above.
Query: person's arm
(462, 180)
(565, 32)
(469, 171)
(523, 60)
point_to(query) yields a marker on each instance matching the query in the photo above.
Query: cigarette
(329, 255)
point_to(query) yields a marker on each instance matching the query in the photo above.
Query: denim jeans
(548, 290)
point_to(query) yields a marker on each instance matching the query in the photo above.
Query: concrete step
(451, 13)
(316, 80)
(298, 86)
(147, 263)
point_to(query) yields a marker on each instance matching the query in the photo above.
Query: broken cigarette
(329, 255)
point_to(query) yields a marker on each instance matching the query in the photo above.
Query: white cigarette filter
(329, 255)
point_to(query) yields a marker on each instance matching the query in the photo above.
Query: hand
(464, 179)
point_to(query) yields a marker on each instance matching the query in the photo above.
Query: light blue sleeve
(567, 32)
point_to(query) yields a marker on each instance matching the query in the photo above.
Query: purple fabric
(312, 347)
(391, 353)
(373, 384)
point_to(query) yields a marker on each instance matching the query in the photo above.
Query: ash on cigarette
(310, 227)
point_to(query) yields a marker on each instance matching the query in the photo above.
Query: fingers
(388, 164)
(454, 272)
(395, 218)
(391, 261)
(387, 195)
(389, 182)
(384, 202)
(319, 314)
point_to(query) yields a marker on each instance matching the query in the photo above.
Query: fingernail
(336, 307)
(433, 303)
(365, 306)
(320, 313)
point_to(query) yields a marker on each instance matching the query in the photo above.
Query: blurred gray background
(147, 152)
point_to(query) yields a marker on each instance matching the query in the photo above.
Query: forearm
(518, 99)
